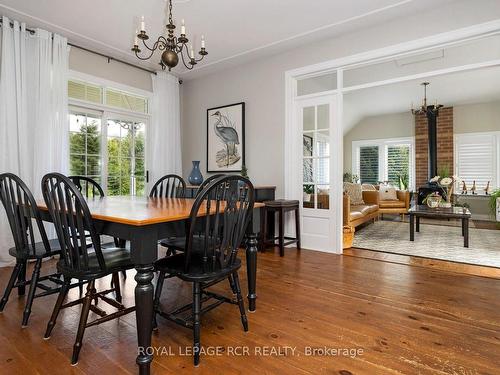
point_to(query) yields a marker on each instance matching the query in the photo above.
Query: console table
(418, 211)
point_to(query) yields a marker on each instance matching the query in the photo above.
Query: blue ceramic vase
(195, 177)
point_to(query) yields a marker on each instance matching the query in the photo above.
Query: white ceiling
(477, 86)
(235, 30)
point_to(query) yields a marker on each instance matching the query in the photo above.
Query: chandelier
(171, 45)
(426, 109)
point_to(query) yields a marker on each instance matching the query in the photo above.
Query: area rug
(433, 241)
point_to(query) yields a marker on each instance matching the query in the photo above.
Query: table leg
(466, 232)
(417, 219)
(412, 228)
(144, 316)
(251, 256)
(263, 229)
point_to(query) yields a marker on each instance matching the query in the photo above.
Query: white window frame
(383, 145)
(496, 163)
(109, 113)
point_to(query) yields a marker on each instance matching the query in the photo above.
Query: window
(384, 160)
(368, 164)
(476, 159)
(85, 145)
(107, 144)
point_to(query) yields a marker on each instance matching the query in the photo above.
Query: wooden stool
(281, 206)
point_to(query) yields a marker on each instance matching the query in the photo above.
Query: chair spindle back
(169, 186)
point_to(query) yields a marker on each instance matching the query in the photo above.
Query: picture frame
(226, 138)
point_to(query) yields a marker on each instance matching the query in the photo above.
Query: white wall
(98, 66)
(260, 84)
(393, 125)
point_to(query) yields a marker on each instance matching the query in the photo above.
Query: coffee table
(418, 211)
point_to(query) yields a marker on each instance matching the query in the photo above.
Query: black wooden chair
(169, 186)
(177, 243)
(212, 258)
(72, 221)
(21, 210)
(90, 188)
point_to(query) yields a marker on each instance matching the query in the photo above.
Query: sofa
(354, 215)
(399, 206)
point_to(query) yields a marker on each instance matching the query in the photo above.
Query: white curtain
(164, 132)
(33, 110)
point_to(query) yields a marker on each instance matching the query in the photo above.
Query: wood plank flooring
(405, 319)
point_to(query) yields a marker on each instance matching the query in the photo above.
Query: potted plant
(433, 200)
(495, 204)
(308, 190)
(447, 183)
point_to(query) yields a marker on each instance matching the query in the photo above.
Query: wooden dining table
(144, 221)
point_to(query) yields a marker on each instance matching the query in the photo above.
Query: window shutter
(398, 164)
(120, 99)
(368, 164)
(84, 91)
(476, 159)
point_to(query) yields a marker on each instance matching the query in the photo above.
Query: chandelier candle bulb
(136, 39)
(143, 24)
(183, 28)
(202, 41)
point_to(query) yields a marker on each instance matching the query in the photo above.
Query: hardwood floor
(406, 320)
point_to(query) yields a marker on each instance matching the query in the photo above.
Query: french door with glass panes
(109, 148)
(316, 117)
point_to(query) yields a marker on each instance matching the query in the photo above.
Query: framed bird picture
(226, 138)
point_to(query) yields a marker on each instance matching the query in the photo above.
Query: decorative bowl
(433, 202)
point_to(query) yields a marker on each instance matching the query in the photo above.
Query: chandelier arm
(155, 45)
(145, 57)
(184, 62)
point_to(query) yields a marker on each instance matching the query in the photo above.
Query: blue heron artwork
(225, 141)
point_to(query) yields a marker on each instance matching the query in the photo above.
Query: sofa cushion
(354, 215)
(368, 187)
(387, 193)
(354, 192)
(364, 209)
(392, 204)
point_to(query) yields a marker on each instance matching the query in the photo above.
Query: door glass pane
(323, 196)
(322, 143)
(322, 169)
(85, 144)
(308, 196)
(324, 116)
(308, 119)
(307, 145)
(308, 170)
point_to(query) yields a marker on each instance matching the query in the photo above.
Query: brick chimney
(444, 144)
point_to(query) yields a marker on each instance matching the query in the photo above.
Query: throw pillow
(387, 193)
(354, 192)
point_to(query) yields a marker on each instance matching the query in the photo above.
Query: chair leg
(13, 277)
(31, 293)
(57, 307)
(196, 322)
(124, 274)
(115, 281)
(21, 289)
(156, 302)
(87, 301)
(297, 227)
(231, 284)
(281, 238)
(241, 303)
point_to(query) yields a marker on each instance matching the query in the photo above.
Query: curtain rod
(32, 31)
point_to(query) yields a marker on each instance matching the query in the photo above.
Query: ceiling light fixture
(171, 45)
(426, 109)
